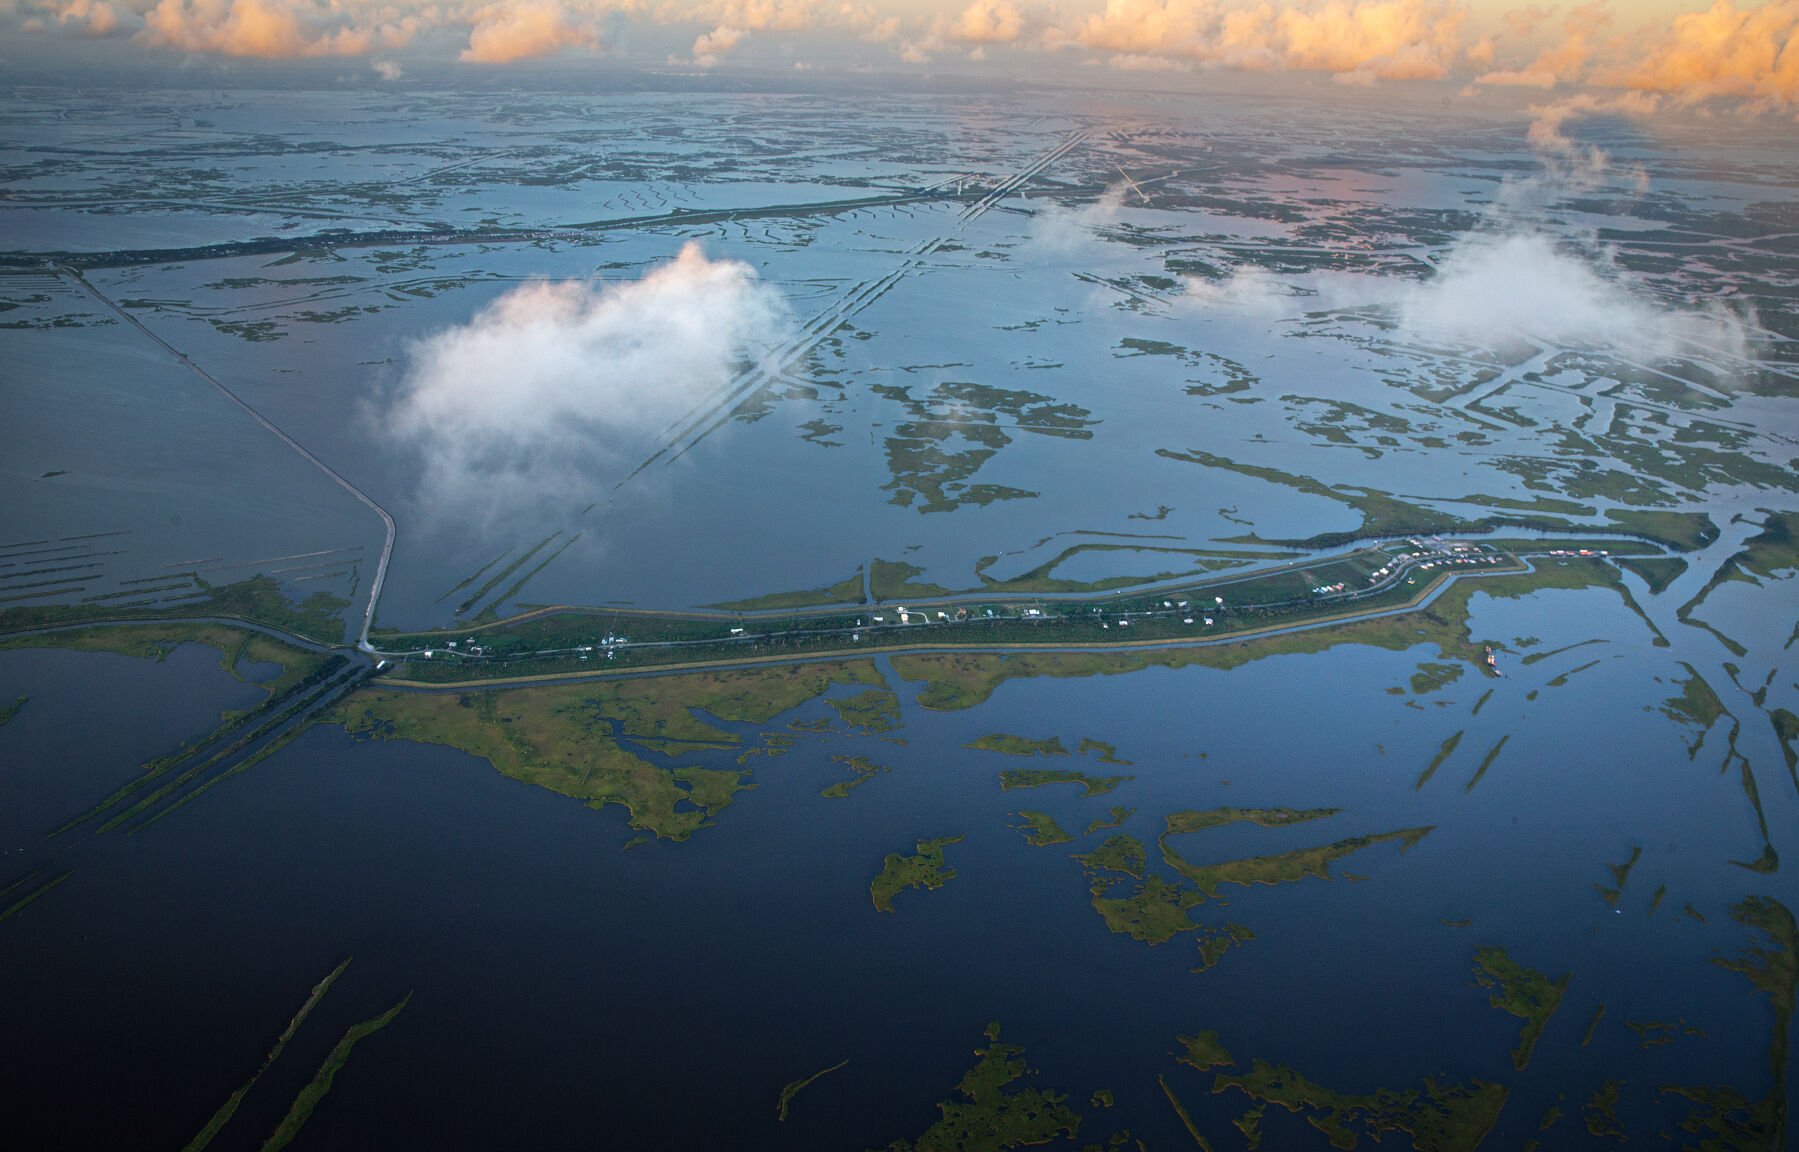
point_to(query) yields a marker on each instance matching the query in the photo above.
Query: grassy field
(891, 580)
(554, 642)
(1018, 745)
(569, 738)
(155, 641)
(1723, 1117)
(962, 680)
(1444, 1117)
(1525, 993)
(988, 1112)
(1041, 830)
(259, 599)
(923, 869)
(845, 591)
(1015, 778)
(1658, 573)
(1774, 549)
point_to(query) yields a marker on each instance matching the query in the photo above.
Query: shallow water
(564, 988)
(567, 989)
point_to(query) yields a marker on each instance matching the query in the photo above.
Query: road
(1430, 595)
(929, 634)
(1107, 618)
(387, 521)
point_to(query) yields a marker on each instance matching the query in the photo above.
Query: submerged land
(1082, 576)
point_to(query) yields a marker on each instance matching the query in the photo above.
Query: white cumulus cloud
(532, 401)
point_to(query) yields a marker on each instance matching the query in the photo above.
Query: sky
(1642, 55)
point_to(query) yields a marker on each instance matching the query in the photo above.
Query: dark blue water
(566, 991)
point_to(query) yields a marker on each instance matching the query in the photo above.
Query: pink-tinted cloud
(506, 32)
(988, 22)
(1564, 61)
(710, 47)
(1359, 39)
(758, 15)
(981, 23)
(273, 29)
(89, 17)
(1749, 53)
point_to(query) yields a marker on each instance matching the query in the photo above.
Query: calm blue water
(566, 990)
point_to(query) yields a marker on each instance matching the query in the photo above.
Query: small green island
(923, 869)
(1018, 745)
(793, 1087)
(1041, 830)
(1521, 991)
(861, 770)
(1113, 819)
(1013, 779)
(987, 1111)
(1438, 1116)
(1149, 907)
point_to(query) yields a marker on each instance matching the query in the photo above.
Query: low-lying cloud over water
(535, 400)
(1494, 288)
(1518, 276)
(1057, 229)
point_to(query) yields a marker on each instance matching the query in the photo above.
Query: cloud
(710, 47)
(1058, 229)
(506, 32)
(1136, 62)
(988, 22)
(1496, 287)
(388, 69)
(1511, 283)
(1247, 289)
(1573, 166)
(1385, 39)
(1562, 62)
(1522, 22)
(981, 23)
(273, 29)
(1749, 54)
(536, 397)
(90, 17)
(758, 15)
(1547, 133)
(1520, 276)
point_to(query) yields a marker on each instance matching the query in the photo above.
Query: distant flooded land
(788, 611)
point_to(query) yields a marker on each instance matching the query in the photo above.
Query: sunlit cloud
(710, 47)
(1508, 285)
(1384, 39)
(1750, 54)
(1518, 277)
(972, 28)
(1137, 62)
(988, 22)
(1563, 61)
(93, 17)
(532, 400)
(754, 15)
(506, 32)
(274, 29)
(1735, 53)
